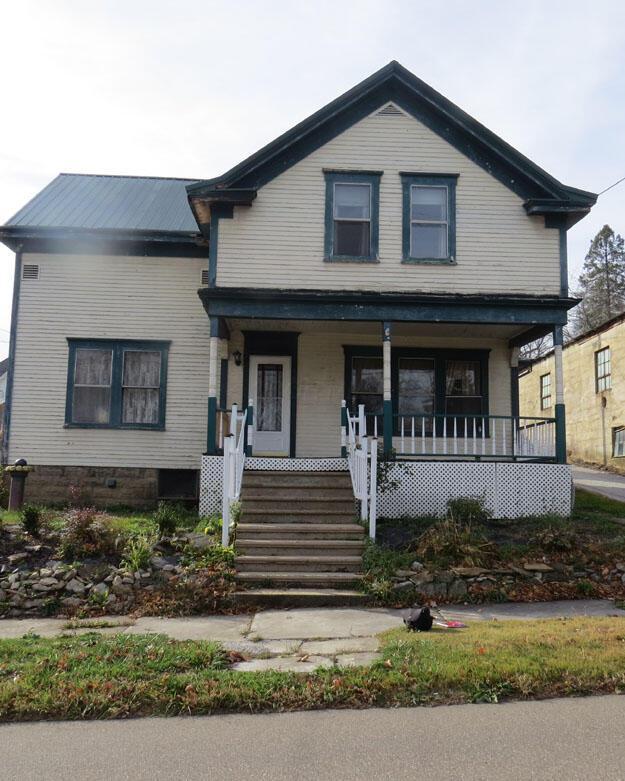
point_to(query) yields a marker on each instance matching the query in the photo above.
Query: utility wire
(611, 186)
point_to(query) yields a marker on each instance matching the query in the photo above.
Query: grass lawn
(121, 676)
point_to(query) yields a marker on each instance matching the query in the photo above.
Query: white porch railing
(234, 463)
(362, 461)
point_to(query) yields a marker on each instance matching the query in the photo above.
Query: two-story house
(372, 272)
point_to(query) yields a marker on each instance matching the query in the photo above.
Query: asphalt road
(600, 482)
(555, 739)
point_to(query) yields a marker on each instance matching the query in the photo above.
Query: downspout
(12, 342)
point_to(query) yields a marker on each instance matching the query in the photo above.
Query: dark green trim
(213, 326)
(530, 335)
(351, 171)
(514, 391)
(117, 346)
(352, 177)
(250, 422)
(221, 196)
(394, 83)
(272, 343)
(273, 304)
(438, 180)
(211, 427)
(217, 213)
(17, 278)
(223, 384)
(387, 412)
(560, 433)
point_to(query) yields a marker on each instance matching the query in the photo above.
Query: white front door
(270, 391)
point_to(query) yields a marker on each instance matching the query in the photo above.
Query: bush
(555, 540)
(30, 518)
(167, 518)
(449, 543)
(137, 553)
(468, 509)
(208, 558)
(87, 532)
(4, 490)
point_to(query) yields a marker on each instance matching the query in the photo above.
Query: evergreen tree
(602, 282)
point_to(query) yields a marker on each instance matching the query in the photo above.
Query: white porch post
(387, 403)
(213, 358)
(560, 409)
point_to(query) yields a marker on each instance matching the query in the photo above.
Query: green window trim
(448, 181)
(372, 178)
(117, 347)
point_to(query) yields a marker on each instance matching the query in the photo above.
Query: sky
(189, 89)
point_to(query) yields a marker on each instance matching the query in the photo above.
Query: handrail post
(225, 499)
(250, 428)
(362, 479)
(373, 489)
(343, 429)
(362, 424)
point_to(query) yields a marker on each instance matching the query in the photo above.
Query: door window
(269, 396)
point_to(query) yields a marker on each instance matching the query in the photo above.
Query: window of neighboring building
(116, 384)
(352, 222)
(545, 391)
(603, 370)
(619, 442)
(429, 218)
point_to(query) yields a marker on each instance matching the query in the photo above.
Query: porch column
(387, 403)
(560, 411)
(213, 358)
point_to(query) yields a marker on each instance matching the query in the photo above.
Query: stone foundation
(100, 486)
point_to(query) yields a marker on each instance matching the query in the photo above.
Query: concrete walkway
(599, 482)
(300, 640)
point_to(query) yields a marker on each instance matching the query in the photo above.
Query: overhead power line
(622, 179)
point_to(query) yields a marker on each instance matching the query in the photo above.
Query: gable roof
(393, 83)
(121, 203)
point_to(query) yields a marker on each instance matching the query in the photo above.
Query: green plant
(87, 532)
(208, 558)
(167, 518)
(468, 509)
(586, 588)
(555, 539)
(137, 553)
(30, 517)
(4, 489)
(449, 543)
(386, 465)
(98, 598)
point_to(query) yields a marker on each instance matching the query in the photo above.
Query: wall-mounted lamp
(237, 357)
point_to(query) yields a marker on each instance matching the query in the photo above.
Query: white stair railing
(362, 455)
(234, 463)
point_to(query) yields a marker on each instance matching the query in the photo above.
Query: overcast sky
(191, 88)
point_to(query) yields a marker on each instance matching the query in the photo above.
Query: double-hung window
(618, 450)
(429, 218)
(545, 391)
(352, 206)
(603, 370)
(116, 384)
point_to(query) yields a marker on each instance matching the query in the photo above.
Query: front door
(270, 391)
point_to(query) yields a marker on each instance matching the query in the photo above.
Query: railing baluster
(483, 434)
(434, 433)
(445, 435)
(474, 437)
(493, 444)
(423, 434)
(402, 450)
(455, 435)
(465, 436)
(413, 443)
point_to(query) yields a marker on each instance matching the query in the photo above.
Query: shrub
(167, 518)
(468, 509)
(556, 540)
(30, 517)
(450, 543)
(137, 553)
(208, 558)
(87, 532)
(4, 490)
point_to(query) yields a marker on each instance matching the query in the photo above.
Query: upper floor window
(116, 384)
(545, 391)
(429, 218)
(352, 221)
(603, 370)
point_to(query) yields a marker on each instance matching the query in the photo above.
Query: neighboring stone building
(594, 394)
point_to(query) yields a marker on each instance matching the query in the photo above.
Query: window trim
(440, 357)
(410, 180)
(607, 376)
(372, 178)
(616, 430)
(544, 406)
(118, 347)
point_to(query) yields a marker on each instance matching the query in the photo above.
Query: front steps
(297, 540)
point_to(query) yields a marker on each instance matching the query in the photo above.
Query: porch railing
(234, 463)
(362, 461)
(475, 436)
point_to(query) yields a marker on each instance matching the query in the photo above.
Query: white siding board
(109, 297)
(278, 242)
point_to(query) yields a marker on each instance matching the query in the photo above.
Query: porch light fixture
(237, 357)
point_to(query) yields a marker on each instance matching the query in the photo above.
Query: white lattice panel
(297, 464)
(211, 476)
(533, 489)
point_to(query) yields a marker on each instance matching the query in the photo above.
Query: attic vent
(204, 276)
(390, 110)
(30, 271)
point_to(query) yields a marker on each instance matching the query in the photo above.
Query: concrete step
(301, 597)
(300, 531)
(299, 579)
(281, 504)
(254, 514)
(297, 493)
(296, 479)
(298, 547)
(261, 564)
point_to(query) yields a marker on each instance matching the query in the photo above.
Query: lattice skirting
(508, 490)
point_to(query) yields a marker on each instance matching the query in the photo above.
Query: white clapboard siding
(279, 241)
(321, 374)
(109, 297)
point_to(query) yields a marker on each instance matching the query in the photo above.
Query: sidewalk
(303, 639)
